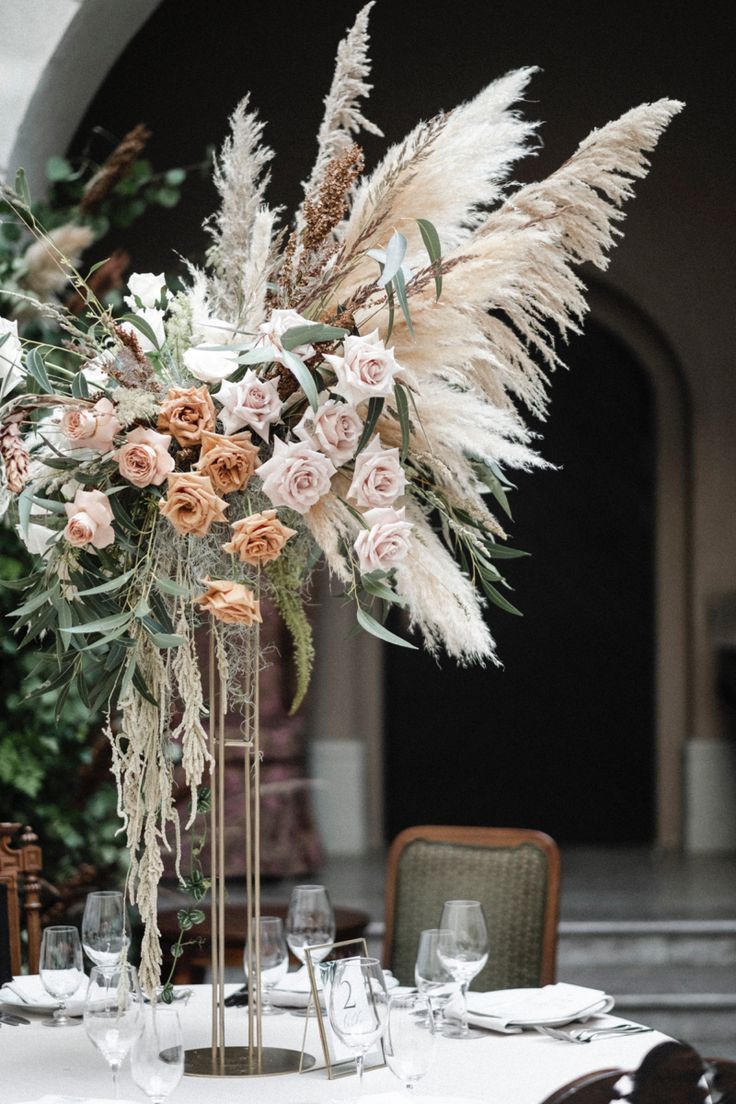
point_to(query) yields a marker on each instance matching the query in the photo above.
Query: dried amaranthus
(15, 457)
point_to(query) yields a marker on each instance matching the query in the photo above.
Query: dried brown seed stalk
(15, 457)
(115, 169)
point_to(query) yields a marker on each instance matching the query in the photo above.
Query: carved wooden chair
(671, 1073)
(20, 866)
(514, 872)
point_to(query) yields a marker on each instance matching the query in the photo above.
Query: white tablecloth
(498, 1069)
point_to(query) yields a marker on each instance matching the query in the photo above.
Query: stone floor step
(720, 981)
(676, 942)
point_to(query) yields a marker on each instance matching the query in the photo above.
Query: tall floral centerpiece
(349, 387)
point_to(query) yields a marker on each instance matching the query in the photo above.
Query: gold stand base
(237, 1062)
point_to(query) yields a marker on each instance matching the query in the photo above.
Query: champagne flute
(309, 923)
(60, 970)
(112, 1014)
(431, 978)
(103, 928)
(462, 949)
(157, 1057)
(274, 961)
(358, 1006)
(409, 1046)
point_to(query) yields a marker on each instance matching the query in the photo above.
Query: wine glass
(103, 928)
(432, 979)
(112, 1013)
(274, 961)
(462, 949)
(157, 1057)
(60, 970)
(358, 1006)
(409, 1046)
(310, 921)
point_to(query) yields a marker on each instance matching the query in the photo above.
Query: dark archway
(563, 738)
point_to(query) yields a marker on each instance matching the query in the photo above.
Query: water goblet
(157, 1056)
(462, 948)
(409, 1046)
(274, 961)
(112, 1014)
(432, 979)
(358, 1006)
(103, 928)
(60, 969)
(310, 922)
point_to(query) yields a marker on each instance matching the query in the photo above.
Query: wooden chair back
(20, 887)
(514, 872)
(671, 1073)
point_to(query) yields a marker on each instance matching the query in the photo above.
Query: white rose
(335, 430)
(11, 355)
(366, 369)
(271, 332)
(250, 402)
(296, 476)
(146, 288)
(208, 365)
(386, 543)
(379, 478)
(155, 319)
(36, 537)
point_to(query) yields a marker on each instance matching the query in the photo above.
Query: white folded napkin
(511, 1010)
(29, 990)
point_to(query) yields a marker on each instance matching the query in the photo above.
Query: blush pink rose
(296, 476)
(379, 478)
(92, 427)
(386, 543)
(144, 458)
(366, 369)
(90, 520)
(250, 402)
(335, 430)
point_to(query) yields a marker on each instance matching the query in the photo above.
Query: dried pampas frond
(342, 117)
(241, 178)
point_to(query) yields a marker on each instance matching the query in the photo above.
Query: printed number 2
(349, 1002)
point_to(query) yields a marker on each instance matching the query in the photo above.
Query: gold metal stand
(220, 1060)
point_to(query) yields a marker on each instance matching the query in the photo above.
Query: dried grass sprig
(116, 168)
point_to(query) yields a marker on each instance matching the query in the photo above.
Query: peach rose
(92, 428)
(387, 541)
(186, 412)
(90, 518)
(233, 603)
(296, 476)
(251, 402)
(228, 461)
(379, 478)
(365, 370)
(144, 459)
(259, 538)
(191, 504)
(335, 430)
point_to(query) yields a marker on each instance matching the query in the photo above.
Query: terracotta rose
(233, 603)
(228, 461)
(186, 412)
(144, 458)
(191, 504)
(259, 538)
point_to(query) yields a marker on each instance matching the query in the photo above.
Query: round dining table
(37, 1061)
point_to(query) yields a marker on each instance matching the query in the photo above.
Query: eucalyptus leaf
(102, 626)
(395, 253)
(375, 406)
(175, 590)
(377, 629)
(166, 640)
(431, 240)
(263, 354)
(399, 285)
(304, 377)
(313, 333)
(142, 326)
(110, 585)
(502, 552)
(402, 409)
(37, 369)
(499, 600)
(380, 590)
(22, 187)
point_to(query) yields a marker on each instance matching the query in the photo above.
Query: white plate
(74, 1007)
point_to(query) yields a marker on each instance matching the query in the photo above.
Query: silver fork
(589, 1035)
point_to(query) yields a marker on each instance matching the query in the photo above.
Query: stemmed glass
(432, 979)
(274, 961)
(358, 1006)
(112, 1013)
(103, 928)
(409, 1046)
(309, 923)
(60, 969)
(157, 1057)
(462, 949)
